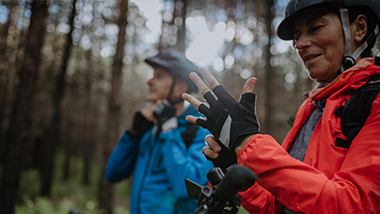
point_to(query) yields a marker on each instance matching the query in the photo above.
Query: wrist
(243, 143)
(134, 134)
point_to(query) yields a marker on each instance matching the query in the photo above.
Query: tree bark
(52, 135)
(18, 139)
(268, 69)
(4, 81)
(86, 137)
(181, 44)
(105, 191)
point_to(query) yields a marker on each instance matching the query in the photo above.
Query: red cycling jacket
(331, 179)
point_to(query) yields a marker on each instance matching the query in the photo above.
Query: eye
(315, 29)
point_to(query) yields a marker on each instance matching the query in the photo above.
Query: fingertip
(202, 70)
(191, 119)
(194, 77)
(207, 151)
(218, 148)
(249, 85)
(252, 80)
(215, 155)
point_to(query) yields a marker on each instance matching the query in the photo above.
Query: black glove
(229, 121)
(165, 116)
(140, 125)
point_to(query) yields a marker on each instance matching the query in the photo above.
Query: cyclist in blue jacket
(162, 148)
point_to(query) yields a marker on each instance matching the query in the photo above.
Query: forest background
(72, 74)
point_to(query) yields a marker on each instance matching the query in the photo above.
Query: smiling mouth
(311, 57)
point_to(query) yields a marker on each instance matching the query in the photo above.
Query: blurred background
(72, 74)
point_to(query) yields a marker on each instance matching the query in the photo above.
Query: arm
(305, 189)
(310, 188)
(122, 160)
(352, 186)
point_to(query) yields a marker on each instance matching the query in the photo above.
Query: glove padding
(229, 121)
(165, 116)
(140, 124)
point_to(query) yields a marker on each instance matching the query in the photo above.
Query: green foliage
(67, 195)
(42, 206)
(71, 194)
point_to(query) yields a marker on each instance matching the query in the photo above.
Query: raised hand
(160, 112)
(228, 120)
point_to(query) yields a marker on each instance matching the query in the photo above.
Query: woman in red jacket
(317, 169)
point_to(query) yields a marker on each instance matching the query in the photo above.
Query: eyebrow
(312, 19)
(315, 18)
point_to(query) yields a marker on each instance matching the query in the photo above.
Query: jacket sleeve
(122, 160)
(305, 189)
(181, 162)
(258, 200)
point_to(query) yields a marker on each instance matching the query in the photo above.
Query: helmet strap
(173, 102)
(349, 59)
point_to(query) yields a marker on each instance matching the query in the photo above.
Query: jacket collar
(322, 92)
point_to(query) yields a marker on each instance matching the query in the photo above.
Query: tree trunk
(181, 44)
(268, 69)
(3, 70)
(86, 137)
(18, 139)
(105, 191)
(66, 161)
(52, 136)
(7, 73)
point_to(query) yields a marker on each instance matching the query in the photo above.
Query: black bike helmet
(177, 64)
(297, 8)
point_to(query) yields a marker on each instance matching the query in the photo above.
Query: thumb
(249, 85)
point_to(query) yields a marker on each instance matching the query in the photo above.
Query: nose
(302, 42)
(150, 81)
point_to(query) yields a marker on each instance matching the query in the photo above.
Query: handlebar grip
(238, 178)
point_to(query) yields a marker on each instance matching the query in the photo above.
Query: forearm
(122, 159)
(303, 188)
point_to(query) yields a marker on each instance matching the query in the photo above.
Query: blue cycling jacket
(159, 168)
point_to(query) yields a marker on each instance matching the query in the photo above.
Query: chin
(316, 74)
(150, 98)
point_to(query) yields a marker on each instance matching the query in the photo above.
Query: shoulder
(190, 110)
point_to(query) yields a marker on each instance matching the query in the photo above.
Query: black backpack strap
(357, 109)
(377, 61)
(189, 135)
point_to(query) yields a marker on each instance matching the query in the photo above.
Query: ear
(359, 29)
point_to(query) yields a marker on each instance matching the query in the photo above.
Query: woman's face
(319, 39)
